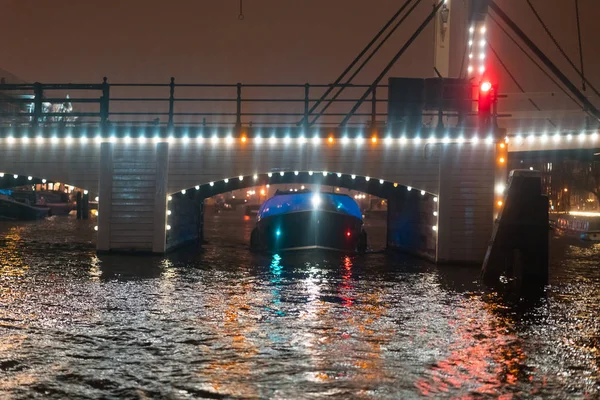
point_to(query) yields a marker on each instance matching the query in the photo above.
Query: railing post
(171, 124)
(306, 104)
(104, 103)
(238, 112)
(374, 109)
(38, 93)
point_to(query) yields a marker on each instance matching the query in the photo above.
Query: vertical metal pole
(238, 112)
(38, 93)
(306, 104)
(79, 205)
(170, 124)
(104, 103)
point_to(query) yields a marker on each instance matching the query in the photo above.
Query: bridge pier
(133, 198)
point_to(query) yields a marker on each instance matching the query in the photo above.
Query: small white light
(409, 188)
(212, 184)
(272, 140)
(96, 228)
(281, 173)
(156, 139)
(316, 140)
(229, 139)
(489, 140)
(569, 137)
(185, 139)
(200, 139)
(215, 139)
(481, 69)
(482, 56)
(287, 140)
(434, 228)
(310, 173)
(435, 199)
(556, 137)
(241, 178)
(1, 174)
(25, 139)
(367, 178)
(519, 139)
(544, 138)
(183, 191)
(324, 173)
(112, 139)
(126, 139)
(470, 68)
(29, 178)
(435, 213)
(360, 140)
(594, 136)
(44, 181)
(482, 43)
(345, 140)
(197, 187)
(470, 42)
(169, 198)
(531, 138)
(170, 139)
(483, 30)
(403, 140)
(255, 177)
(168, 227)
(226, 180)
(500, 188)
(381, 181)
(54, 139)
(270, 174)
(258, 139)
(446, 140)
(388, 140)
(301, 139)
(97, 198)
(461, 139)
(10, 139)
(168, 212)
(339, 174)
(296, 172)
(353, 176)
(422, 193)
(15, 176)
(302, 187)
(471, 29)
(470, 55)
(531, 168)
(316, 200)
(582, 137)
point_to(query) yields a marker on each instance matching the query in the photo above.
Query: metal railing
(171, 104)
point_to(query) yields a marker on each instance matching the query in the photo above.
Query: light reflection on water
(227, 323)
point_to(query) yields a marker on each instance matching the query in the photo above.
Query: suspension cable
(393, 61)
(536, 63)
(370, 56)
(580, 44)
(360, 55)
(558, 46)
(516, 82)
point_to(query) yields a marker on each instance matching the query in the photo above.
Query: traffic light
(484, 102)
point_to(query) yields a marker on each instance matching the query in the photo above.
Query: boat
(309, 220)
(13, 210)
(58, 202)
(583, 225)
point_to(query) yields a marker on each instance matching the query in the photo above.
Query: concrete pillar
(466, 202)
(132, 207)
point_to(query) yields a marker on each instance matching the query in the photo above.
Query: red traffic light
(486, 86)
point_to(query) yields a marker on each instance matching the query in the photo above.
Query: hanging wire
(561, 49)
(516, 82)
(241, 14)
(535, 62)
(580, 45)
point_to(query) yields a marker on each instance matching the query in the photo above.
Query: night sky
(277, 42)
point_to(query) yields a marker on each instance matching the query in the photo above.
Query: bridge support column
(466, 202)
(133, 198)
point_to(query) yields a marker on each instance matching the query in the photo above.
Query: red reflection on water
(346, 284)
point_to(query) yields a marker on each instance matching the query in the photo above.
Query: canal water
(225, 323)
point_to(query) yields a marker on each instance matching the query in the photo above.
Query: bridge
(151, 153)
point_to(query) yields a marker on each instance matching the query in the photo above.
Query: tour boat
(13, 210)
(57, 202)
(584, 225)
(309, 220)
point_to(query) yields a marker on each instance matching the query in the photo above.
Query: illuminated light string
(358, 141)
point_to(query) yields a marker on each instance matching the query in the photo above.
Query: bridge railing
(182, 104)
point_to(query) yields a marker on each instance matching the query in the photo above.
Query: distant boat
(584, 225)
(57, 202)
(13, 210)
(307, 220)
